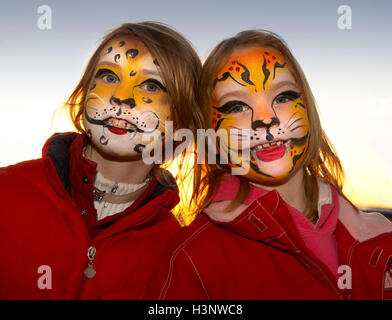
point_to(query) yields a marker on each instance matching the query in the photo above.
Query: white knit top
(105, 209)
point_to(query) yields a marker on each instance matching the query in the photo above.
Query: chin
(279, 172)
(116, 151)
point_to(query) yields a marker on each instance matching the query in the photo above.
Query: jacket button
(83, 212)
(85, 180)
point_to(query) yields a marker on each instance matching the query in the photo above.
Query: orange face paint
(256, 94)
(126, 99)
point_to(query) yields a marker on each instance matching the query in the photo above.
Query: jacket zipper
(90, 272)
(326, 273)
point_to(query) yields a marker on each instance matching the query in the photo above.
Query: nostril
(114, 100)
(130, 102)
(269, 136)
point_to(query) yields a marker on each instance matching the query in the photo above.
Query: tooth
(279, 143)
(266, 145)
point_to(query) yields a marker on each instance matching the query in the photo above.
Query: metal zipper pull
(90, 272)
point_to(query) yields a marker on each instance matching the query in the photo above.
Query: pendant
(89, 272)
(98, 194)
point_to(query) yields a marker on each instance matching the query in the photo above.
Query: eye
(238, 108)
(110, 78)
(107, 76)
(233, 107)
(286, 96)
(152, 86)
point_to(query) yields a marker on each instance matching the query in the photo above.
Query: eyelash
(154, 82)
(290, 95)
(102, 73)
(243, 106)
(230, 107)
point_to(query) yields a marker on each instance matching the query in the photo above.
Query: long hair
(180, 67)
(320, 161)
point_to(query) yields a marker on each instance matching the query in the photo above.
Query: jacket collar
(56, 157)
(266, 219)
(72, 175)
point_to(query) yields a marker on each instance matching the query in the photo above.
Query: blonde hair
(320, 161)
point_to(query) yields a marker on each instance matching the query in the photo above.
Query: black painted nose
(261, 124)
(130, 102)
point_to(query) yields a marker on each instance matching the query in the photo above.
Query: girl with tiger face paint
(256, 94)
(253, 88)
(281, 230)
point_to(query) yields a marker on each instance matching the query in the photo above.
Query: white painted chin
(112, 144)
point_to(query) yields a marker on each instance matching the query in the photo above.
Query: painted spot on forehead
(156, 62)
(278, 65)
(109, 50)
(245, 75)
(132, 73)
(265, 71)
(117, 57)
(121, 44)
(132, 52)
(224, 77)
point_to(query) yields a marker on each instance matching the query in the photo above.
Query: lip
(119, 126)
(270, 151)
(117, 131)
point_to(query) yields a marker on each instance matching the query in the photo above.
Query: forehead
(254, 56)
(127, 47)
(266, 68)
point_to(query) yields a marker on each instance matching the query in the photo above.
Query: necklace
(100, 195)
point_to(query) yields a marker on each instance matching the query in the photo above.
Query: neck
(292, 191)
(131, 171)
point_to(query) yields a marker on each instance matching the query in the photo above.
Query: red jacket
(260, 255)
(41, 225)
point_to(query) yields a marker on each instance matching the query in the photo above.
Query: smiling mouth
(270, 151)
(119, 126)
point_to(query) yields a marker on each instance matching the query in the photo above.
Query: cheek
(100, 91)
(214, 118)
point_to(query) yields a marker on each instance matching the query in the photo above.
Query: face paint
(126, 99)
(256, 94)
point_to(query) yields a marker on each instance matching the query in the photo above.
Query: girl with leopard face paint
(283, 228)
(91, 211)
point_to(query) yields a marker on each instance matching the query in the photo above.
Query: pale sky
(348, 70)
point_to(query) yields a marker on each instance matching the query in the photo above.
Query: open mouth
(270, 151)
(119, 126)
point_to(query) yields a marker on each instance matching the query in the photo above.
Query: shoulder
(200, 238)
(362, 225)
(23, 171)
